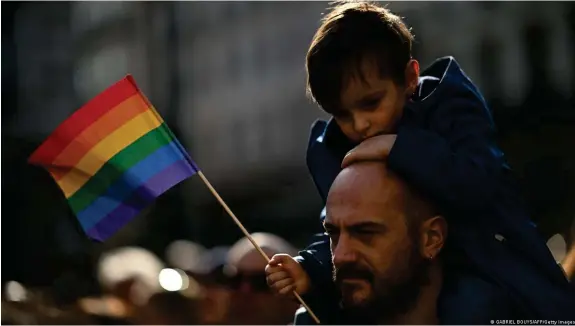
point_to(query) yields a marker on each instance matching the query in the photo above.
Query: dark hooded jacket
(497, 264)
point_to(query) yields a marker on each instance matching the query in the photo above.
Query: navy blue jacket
(445, 147)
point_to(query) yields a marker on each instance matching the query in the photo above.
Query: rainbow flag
(112, 158)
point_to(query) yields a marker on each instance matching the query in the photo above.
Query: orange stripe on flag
(82, 119)
(91, 136)
(115, 142)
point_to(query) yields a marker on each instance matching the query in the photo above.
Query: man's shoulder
(469, 299)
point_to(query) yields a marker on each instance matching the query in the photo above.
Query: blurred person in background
(136, 291)
(129, 277)
(217, 294)
(25, 306)
(33, 313)
(252, 301)
(206, 267)
(130, 274)
(168, 308)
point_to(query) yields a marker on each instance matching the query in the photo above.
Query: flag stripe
(113, 157)
(141, 198)
(82, 119)
(136, 176)
(117, 166)
(98, 131)
(106, 149)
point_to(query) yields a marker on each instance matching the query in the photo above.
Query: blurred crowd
(190, 285)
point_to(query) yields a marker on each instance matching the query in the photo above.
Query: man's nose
(343, 252)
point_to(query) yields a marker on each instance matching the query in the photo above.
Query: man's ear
(433, 236)
(411, 76)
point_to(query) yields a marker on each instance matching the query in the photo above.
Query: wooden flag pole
(247, 234)
(568, 263)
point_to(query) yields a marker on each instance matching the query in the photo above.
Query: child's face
(373, 106)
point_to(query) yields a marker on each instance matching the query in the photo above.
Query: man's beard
(392, 294)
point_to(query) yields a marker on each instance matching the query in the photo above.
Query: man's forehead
(353, 210)
(364, 188)
(356, 219)
(365, 178)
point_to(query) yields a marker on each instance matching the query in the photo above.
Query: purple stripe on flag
(140, 199)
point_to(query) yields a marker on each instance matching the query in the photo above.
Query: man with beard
(385, 240)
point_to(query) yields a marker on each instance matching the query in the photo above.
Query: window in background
(95, 73)
(43, 47)
(251, 137)
(413, 21)
(286, 45)
(279, 135)
(488, 5)
(216, 60)
(570, 17)
(233, 146)
(89, 15)
(234, 63)
(230, 13)
(196, 62)
(489, 67)
(536, 40)
(247, 57)
(268, 43)
(242, 9)
(213, 13)
(541, 95)
(266, 126)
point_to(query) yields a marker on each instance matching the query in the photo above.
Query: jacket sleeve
(456, 161)
(323, 297)
(316, 260)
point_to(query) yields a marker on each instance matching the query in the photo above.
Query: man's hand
(374, 148)
(284, 275)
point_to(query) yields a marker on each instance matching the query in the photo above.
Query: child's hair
(349, 34)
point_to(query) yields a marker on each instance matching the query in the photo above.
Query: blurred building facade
(241, 107)
(495, 42)
(229, 78)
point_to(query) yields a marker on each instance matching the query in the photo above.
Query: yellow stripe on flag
(106, 149)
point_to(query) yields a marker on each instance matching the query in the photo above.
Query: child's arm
(312, 269)
(320, 293)
(285, 275)
(456, 161)
(315, 259)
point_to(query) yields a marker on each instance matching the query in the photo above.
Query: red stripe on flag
(82, 119)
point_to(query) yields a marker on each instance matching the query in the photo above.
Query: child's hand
(284, 275)
(374, 148)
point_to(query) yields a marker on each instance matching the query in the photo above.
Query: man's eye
(330, 231)
(366, 233)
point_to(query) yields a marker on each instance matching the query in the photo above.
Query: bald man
(385, 242)
(391, 264)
